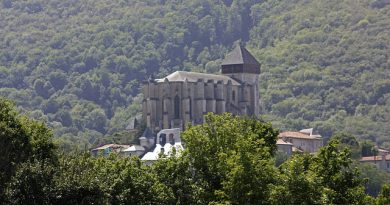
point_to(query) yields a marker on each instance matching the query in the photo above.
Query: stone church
(185, 97)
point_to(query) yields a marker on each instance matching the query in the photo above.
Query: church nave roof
(181, 76)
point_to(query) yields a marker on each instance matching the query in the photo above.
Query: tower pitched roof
(240, 55)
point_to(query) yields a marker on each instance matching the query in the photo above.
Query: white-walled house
(134, 150)
(168, 143)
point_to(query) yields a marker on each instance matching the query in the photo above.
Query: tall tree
(14, 141)
(22, 140)
(230, 158)
(340, 181)
(384, 196)
(325, 178)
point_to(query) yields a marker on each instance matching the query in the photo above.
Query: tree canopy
(23, 141)
(228, 160)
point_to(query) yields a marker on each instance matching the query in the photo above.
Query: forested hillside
(326, 65)
(78, 64)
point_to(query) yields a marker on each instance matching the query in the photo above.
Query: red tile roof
(298, 135)
(114, 146)
(375, 158)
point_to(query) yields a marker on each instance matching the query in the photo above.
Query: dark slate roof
(148, 133)
(240, 55)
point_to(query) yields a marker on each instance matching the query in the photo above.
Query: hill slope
(78, 64)
(326, 65)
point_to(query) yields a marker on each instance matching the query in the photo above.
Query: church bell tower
(243, 67)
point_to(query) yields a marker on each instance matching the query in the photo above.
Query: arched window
(171, 139)
(177, 107)
(163, 105)
(163, 139)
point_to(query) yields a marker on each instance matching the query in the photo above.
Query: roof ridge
(194, 76)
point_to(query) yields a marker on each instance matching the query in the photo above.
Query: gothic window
(190, 105)
(177, 107)
(171, 139)
(233, 95)
(163, 139)
(163, 106)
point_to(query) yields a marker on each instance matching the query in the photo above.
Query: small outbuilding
(285, 147)
(134, 150)
(105, 150)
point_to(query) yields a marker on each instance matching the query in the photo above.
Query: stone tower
(243, 67)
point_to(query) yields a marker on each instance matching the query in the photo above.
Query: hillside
(326, 65)
(78, 64)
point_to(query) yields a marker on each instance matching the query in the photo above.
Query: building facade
(381, 161)
(304, 140)
(284, 147)
(185, 97)
(168, 143)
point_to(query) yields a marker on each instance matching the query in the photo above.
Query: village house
(134, 150)
(382, 161)
(303, 141)
(105, 150)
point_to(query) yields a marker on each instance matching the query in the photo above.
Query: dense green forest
(78, 64)
(228, 160)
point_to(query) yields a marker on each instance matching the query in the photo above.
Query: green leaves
(113, 180)
(318, 60)
(384, 196)
(22, 141)
(31, 184)
(325, 178)
(231, 155)
(228, 160)
(59, 55)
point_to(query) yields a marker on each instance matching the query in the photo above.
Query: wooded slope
(78, 64)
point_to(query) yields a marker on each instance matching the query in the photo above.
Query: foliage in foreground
(326, 178)
(228, 160)
(21, 141)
